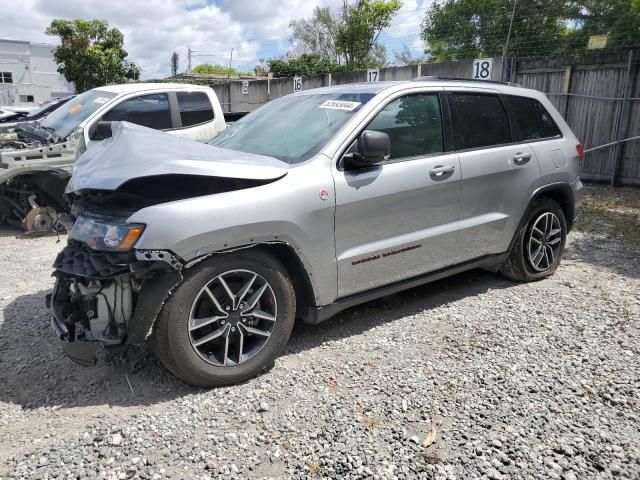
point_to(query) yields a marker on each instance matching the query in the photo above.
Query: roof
(143, 87)
(372, 87)
(27, 42)
(377, 87)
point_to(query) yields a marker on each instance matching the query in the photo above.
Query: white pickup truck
(35, 159)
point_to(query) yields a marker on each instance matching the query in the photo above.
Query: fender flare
(563, 194)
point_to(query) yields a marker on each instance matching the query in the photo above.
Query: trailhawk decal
(388, 253)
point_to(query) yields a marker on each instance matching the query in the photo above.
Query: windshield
(292, 128)
(67, 117)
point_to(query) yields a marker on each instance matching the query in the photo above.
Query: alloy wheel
(232, 318)
(545, 241)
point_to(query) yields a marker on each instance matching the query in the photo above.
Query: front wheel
(539, 243)
(228, 320)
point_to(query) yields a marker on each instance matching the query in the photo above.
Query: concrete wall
(261, 91)
(34, 74)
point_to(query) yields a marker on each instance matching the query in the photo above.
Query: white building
(28, 74)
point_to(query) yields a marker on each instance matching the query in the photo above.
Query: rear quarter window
(195, 108)
(530, 120)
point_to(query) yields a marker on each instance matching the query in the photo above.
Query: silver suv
(316, 202)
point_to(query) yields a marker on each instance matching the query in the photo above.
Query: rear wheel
(539, 244)
(228, 320)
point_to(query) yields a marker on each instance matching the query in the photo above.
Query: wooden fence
(599, 97)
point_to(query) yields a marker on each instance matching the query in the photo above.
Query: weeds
(611, 211)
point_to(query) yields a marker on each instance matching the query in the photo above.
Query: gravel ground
(537, 380)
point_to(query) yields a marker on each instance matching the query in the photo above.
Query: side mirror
(372, 147)
(101, 131)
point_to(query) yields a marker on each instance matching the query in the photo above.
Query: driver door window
(414, 126)
(147, 110)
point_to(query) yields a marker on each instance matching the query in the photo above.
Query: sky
(152, 30)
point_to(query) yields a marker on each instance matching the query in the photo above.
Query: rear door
(398, 219)
(533, 124)
(195, 116)
(497, 173)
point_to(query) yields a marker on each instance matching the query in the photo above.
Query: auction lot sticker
(340, 105)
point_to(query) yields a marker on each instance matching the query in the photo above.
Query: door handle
(521, 158)
(441, 170)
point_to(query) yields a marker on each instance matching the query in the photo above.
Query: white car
(12, 111)
(35, 158)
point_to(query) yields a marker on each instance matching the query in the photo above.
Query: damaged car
(316, 202)
(12, 121)
(36, 157)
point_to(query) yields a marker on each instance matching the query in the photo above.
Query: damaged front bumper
(104, 298)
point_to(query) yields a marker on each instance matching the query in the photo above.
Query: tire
(519, 265)
(181, 324)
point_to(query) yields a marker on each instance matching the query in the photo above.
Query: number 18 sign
(482, 68)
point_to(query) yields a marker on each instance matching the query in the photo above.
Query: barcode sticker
(340, 105)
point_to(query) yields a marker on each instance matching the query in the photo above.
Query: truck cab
(35, 159)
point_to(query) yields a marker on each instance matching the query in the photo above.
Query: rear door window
(479, 120)
(530, 120)
(414, 125)
(195, 108)
(147, 110)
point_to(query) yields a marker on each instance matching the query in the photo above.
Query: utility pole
(189, 59)
(230, 60)
(506, 44)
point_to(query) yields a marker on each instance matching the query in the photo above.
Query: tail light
(580, 152)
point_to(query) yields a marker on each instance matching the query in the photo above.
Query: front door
(398, 219)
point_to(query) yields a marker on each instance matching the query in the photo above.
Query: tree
(618, 19)
(360, 27)
(377, 57)
(406, 57)
(463, 29)
(348, 37)
(316, 35)
(175, 61)
(219, 70)
(306, 64)
(90, 53)
(262, 68)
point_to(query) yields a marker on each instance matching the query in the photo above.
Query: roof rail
(433, 78)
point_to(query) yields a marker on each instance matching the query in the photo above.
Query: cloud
(408, 19)
(153, 30)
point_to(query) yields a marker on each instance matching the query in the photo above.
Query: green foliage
(222, 71)
(358, 32)
(91, 54)
(620, 19)
(463, 29)
(305, 65)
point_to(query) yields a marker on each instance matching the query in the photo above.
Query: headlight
(104, 235)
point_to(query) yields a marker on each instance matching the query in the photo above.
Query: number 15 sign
(482, 68)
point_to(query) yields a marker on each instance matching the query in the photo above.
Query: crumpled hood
(134, 151)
